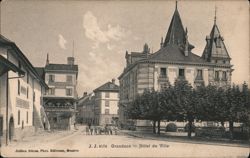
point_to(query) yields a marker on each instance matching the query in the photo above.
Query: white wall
(112, 99)
(22, 102)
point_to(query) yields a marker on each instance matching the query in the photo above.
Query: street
(78, 144)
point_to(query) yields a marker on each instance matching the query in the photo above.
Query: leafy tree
(244, 115)
(184, 101)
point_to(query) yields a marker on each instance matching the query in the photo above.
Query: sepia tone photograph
(127, 78)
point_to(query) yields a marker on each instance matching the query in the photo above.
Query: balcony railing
(60, 83)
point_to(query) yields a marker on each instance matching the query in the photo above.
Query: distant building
(174, 60)
(60, 99)
(86, 109)
(21, 91)
(106, 103)
(102, 107)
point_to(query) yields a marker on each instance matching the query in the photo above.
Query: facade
(21, 91)
(174, 60)
(106, 103)
(60, 99)
(86, 109)
(100, 107)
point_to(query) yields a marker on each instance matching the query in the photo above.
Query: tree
(234, 106)
(244, 115)
(184, 101)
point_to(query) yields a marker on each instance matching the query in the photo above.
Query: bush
(171, 127)
(186, 128)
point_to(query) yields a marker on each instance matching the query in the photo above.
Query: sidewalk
(182, 138)
(43, 137)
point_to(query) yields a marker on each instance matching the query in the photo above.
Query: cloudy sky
(102, 31)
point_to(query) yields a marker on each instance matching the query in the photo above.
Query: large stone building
(21, 91)
(60, 99)
(100, 108)
(174, 60)
(106, 103)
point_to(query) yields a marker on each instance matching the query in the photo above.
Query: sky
(103, 31)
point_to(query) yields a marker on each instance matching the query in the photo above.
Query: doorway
(11, 129)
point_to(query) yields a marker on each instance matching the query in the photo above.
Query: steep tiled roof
(109, 86)
(215, 46)
(176, 32)
(63, 67)
(173, 53)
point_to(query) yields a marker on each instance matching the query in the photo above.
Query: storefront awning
(6, 65)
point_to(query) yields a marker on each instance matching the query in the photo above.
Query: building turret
(215, 50)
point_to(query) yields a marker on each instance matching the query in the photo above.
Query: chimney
(146, 49)
(113, 81)
(85, 94)
(47, 60)
(71, 60)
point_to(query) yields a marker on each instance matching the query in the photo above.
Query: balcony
(54, 83)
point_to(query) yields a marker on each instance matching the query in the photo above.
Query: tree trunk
(154, 124)
(189, 128)
(159, 126)
(231, 128)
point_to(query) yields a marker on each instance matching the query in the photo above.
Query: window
(68, 91)
(106, 94)
(52, 91)
(107, 103)
(106, 111)
(27, 92)
(51, 78)
(163, 72)
(18, 87)
(199, 75)
(224, 75)
(22, 124)
(218, 43)
(27, 117)
(216, 75)
(18, 117)
(181, 73)
(69, 78)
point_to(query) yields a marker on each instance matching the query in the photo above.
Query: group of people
(98, 130)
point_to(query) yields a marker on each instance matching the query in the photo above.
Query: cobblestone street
(78, 144)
